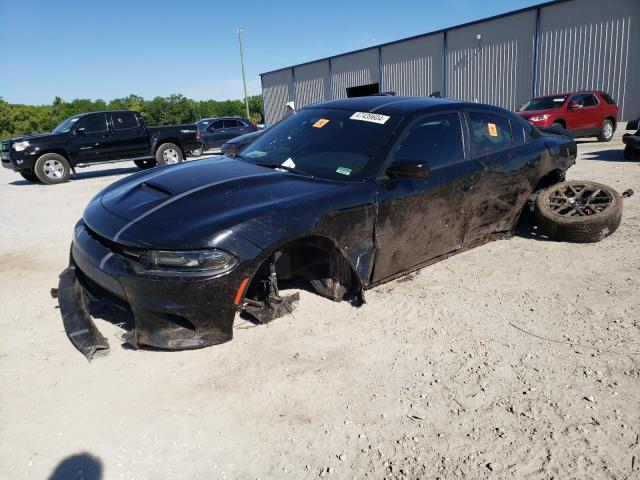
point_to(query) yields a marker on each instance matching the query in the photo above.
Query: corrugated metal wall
(352, 70)
(277, 90)
(496, 69)
(312, 83)
(413, 67)
(581, 44)
(591, 44)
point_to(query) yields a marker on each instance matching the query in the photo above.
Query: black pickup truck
(96, 137)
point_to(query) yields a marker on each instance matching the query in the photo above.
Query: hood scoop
(156, 187)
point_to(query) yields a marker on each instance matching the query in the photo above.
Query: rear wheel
(580, 212)
(607, 131)
(144, 164)
(52, 168)
(29, 176)
(197, 152)
(169, 154)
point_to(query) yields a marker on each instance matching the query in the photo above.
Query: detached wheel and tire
(29, 176)
(52, 168)
(579, 212)
(607, 131)
(169, 154)
(144, 164)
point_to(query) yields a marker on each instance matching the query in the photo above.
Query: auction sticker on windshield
(370, 117)
(321, 123)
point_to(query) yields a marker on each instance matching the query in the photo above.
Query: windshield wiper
(277, 166)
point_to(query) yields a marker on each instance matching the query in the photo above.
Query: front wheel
(607, 131)
(144, 164)
(52, 168)
(631, 153)
(169, 154)
(580, 212)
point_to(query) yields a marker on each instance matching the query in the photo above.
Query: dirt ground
(517, 360)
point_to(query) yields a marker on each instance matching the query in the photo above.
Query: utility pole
(244, 81)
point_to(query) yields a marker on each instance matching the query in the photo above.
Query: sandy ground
(442, 374)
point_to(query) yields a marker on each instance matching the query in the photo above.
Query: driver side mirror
(573, 105)
(408, 168)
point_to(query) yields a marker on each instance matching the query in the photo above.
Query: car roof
(388, 105)
(566, 94)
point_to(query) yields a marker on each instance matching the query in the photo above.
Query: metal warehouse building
(553, 47)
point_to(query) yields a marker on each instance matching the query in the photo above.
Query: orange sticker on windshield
(321, 123)
(493, 131)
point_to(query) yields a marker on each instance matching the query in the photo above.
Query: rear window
(124, 120)
(608, 98)
(489, 134)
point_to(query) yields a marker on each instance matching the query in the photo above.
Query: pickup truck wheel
(169, 154)
(197, 152)
(52, 168)
(144, 164)
(29, 176)
(607, 131)
(579, 212)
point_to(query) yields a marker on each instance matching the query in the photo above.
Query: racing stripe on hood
(178, 197)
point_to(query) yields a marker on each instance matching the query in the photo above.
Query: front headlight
(20, 146)
(539, 118)
(210, 261)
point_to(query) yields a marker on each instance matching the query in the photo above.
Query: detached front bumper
(169, 312)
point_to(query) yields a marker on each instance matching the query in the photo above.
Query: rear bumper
(168, 312)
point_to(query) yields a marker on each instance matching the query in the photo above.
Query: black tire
(197, 152)
(608, 129)
(578, 212)
(52, 169)
(558, 124)
(144, 164)
(29, 176)
(631, 153)
(169, 154)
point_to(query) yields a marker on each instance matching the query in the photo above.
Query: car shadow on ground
(81, 465)
(528, 228)
(611, 155)
(84, 175)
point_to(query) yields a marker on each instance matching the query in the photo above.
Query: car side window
(231, 124)
(519, 134)
(589, 101)
(93, 123)
(436, 139)
(217, 125)
(488, 134)
(124, 120)
(577, 99)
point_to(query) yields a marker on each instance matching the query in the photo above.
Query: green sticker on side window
(344, 170)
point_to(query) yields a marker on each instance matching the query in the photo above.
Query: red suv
(587, 113)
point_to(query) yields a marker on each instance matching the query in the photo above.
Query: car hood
(34, 136)
(200, 199)
(534, 113)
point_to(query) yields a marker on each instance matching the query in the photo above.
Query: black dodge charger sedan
(345, 194)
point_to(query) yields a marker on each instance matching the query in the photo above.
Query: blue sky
(112, 48)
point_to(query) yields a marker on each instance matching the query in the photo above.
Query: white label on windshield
(558, 99)
(288, 163)
(370, 117)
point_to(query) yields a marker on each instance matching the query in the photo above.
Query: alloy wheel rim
(578, 200)
(53, 169)
(608, 130)
(170, 156)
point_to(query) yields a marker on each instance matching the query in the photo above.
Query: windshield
(325, 143)
(66, 125)
(543, 103)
